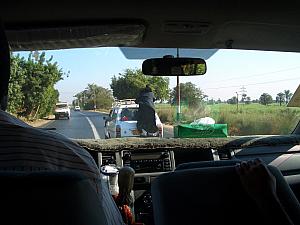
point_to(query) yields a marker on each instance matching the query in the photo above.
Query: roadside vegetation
(31, 93)
(94, 97)
(249, 119)
(126, 85)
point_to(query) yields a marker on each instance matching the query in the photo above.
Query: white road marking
(95, 132)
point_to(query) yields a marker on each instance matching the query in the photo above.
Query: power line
(260, 74)
(243, 90)
(267, 82)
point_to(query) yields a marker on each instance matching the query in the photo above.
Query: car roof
(127, 106)
(221, 24)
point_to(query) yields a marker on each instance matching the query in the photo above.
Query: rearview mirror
(174, 67)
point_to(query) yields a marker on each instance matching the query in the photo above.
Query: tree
(31, 88)
(280, 98)
(265, 99)
(248, 100)
(16, 82)
(189, 94)
(41, 76)
(211, 102)
(288, 96)
(94, 97)
(232, 100)
(131, 82)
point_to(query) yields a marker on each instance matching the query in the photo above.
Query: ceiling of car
(32, 24)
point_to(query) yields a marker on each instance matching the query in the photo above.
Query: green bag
(200, 131)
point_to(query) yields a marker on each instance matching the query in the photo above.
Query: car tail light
(118, 131)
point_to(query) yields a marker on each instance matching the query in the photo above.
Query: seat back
(211, 195)
(48, 198)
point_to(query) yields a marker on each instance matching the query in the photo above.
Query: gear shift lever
(125, 183)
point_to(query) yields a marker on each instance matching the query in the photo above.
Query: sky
(228, 71)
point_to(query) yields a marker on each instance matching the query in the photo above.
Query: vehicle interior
(177, 180)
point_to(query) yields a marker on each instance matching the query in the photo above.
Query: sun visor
(146, 53)
(75, 37)
(295, 100)
(258, 36)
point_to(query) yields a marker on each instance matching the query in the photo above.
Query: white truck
(62, 110)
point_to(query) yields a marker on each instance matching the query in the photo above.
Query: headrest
(49, 198)
(211, 195)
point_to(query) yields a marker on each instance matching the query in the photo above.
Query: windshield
(61, 106)
(242, 92)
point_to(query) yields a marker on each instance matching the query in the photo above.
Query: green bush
(166, 114)
(256, 119)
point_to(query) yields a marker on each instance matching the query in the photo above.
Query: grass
(247, 120)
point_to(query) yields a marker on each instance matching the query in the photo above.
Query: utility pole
(178, 94)
(83, 100)
(95, 101)
(237, 101)
(243, 91)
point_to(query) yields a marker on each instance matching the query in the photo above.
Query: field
(247, 120)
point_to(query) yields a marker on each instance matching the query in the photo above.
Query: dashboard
(150, 161)
(148, 165)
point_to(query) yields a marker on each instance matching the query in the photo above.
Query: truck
(62, 110)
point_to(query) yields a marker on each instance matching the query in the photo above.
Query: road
(86, 125)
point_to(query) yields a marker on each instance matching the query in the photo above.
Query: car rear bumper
(61, 114)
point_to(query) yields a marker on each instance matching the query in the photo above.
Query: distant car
(62, 110)
(122, 121)
(77, 108)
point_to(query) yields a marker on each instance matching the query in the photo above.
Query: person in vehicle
(126, 115)
(27, 149)
(146, 113)
(260, 184)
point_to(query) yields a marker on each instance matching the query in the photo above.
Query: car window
(129, 114)
(61, 106)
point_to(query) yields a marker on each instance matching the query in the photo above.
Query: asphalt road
(86, 125)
